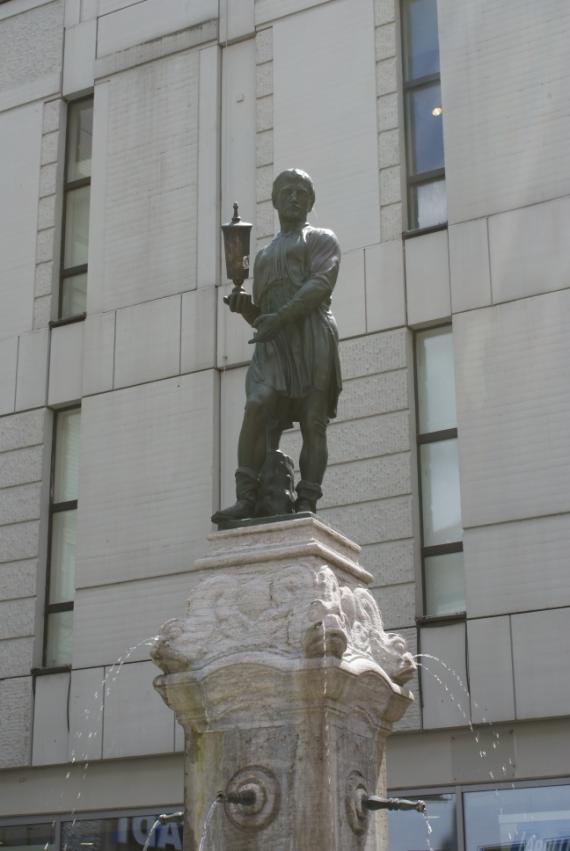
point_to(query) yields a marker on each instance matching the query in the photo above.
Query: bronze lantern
(236, 246)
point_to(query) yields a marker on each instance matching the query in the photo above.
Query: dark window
(427, 199)
(73, 291)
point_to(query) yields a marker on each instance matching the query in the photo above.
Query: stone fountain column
(286, 684)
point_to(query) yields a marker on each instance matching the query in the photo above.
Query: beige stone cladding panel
(484, 51)
(529, 250)
(33, 359)
(144, 200)
(98, 353)
(15, 721)
(119, 784)
(66, 364)
(444, 676)
(86, 701)
(50, 719)
(326, 123)
(525, 563)
(385, 290)
(491, 669)
(21, 133)
(512, 404)
(31, 49)
(349, 296)
(139, 22)
(16, 656)
(147, 341)
(103, 635)
(428, 292)
(8, 367)
(147, 479)
(136, 720)
(469, 265)
(79, 57)
(541, 657)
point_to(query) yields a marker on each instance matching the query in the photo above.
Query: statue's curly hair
(297, 174)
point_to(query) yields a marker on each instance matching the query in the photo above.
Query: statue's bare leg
(314, 454)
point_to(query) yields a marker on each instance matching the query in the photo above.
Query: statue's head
(291, 177)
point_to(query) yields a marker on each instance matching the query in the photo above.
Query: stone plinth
(285, 682)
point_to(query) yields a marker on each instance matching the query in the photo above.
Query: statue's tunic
(294, 276)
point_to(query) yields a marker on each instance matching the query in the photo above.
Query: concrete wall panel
(86, 701)
(21, 133)
(16, 702)
(50, 719)
(495, 157)
(349, 297)
(525, 563)
(16, 657)
(147, 479)
(541, 657)
(79, 57)
(31, 383)
(444, 676)
(8, 365)
(469, 265)
(427, 278)
(528, 250)
(31, 50)
(337, 146)
(199, 317)
(98, 353)
(18, 579)
(144, 208)
(208, 234)
(137, 721)
(490, 669)
(147, 341)
(512, 405)
(385, 291)
(148, 20)
(66, 364)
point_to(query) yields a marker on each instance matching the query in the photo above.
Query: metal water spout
(373, 802)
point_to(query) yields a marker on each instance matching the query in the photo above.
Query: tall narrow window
(73, 290)
(63, 515)
(442, 533)
(427, 200)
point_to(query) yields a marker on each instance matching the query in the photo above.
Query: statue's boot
(307, 495)
(247, 485)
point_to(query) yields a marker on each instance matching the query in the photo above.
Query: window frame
(68, 187)
(54, 508)
(413, 179)
(423, 438)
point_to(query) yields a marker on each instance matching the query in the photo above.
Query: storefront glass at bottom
(533, 818)
(32, 837)
(437, 830)
(125, 833)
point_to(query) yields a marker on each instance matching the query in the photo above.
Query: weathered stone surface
(19, 541)
(15, 721)
(374, 394)
(16, 657)
(21, 466)
(373, 522)
(371, 478)
(17, 618)
(21, 430)
(281, 649)
(390, 563)
(20, 503)
(18, 580)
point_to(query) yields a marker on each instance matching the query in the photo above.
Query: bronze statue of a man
(294, 375)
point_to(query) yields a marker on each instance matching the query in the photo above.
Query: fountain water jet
(287, 686)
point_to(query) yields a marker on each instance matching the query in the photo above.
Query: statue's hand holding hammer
(266, 327)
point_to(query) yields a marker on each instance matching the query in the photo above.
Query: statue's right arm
(241, 302)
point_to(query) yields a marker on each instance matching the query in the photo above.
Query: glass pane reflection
(429, 201)
(426, 128)
(420, 23)
(79, 140)
(73, 295)
(59, 635)
(407, 831)
(76, 227)
(522, 819)
(436, 380)
(62, 565)
(34, 837)
(67, 455)
(127, 833)
(444, 584)
(441, 501)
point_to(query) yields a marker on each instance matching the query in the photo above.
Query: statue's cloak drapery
(295, 276)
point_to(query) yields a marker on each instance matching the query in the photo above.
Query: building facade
(436, 134)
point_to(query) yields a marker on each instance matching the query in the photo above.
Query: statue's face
(293, 201)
